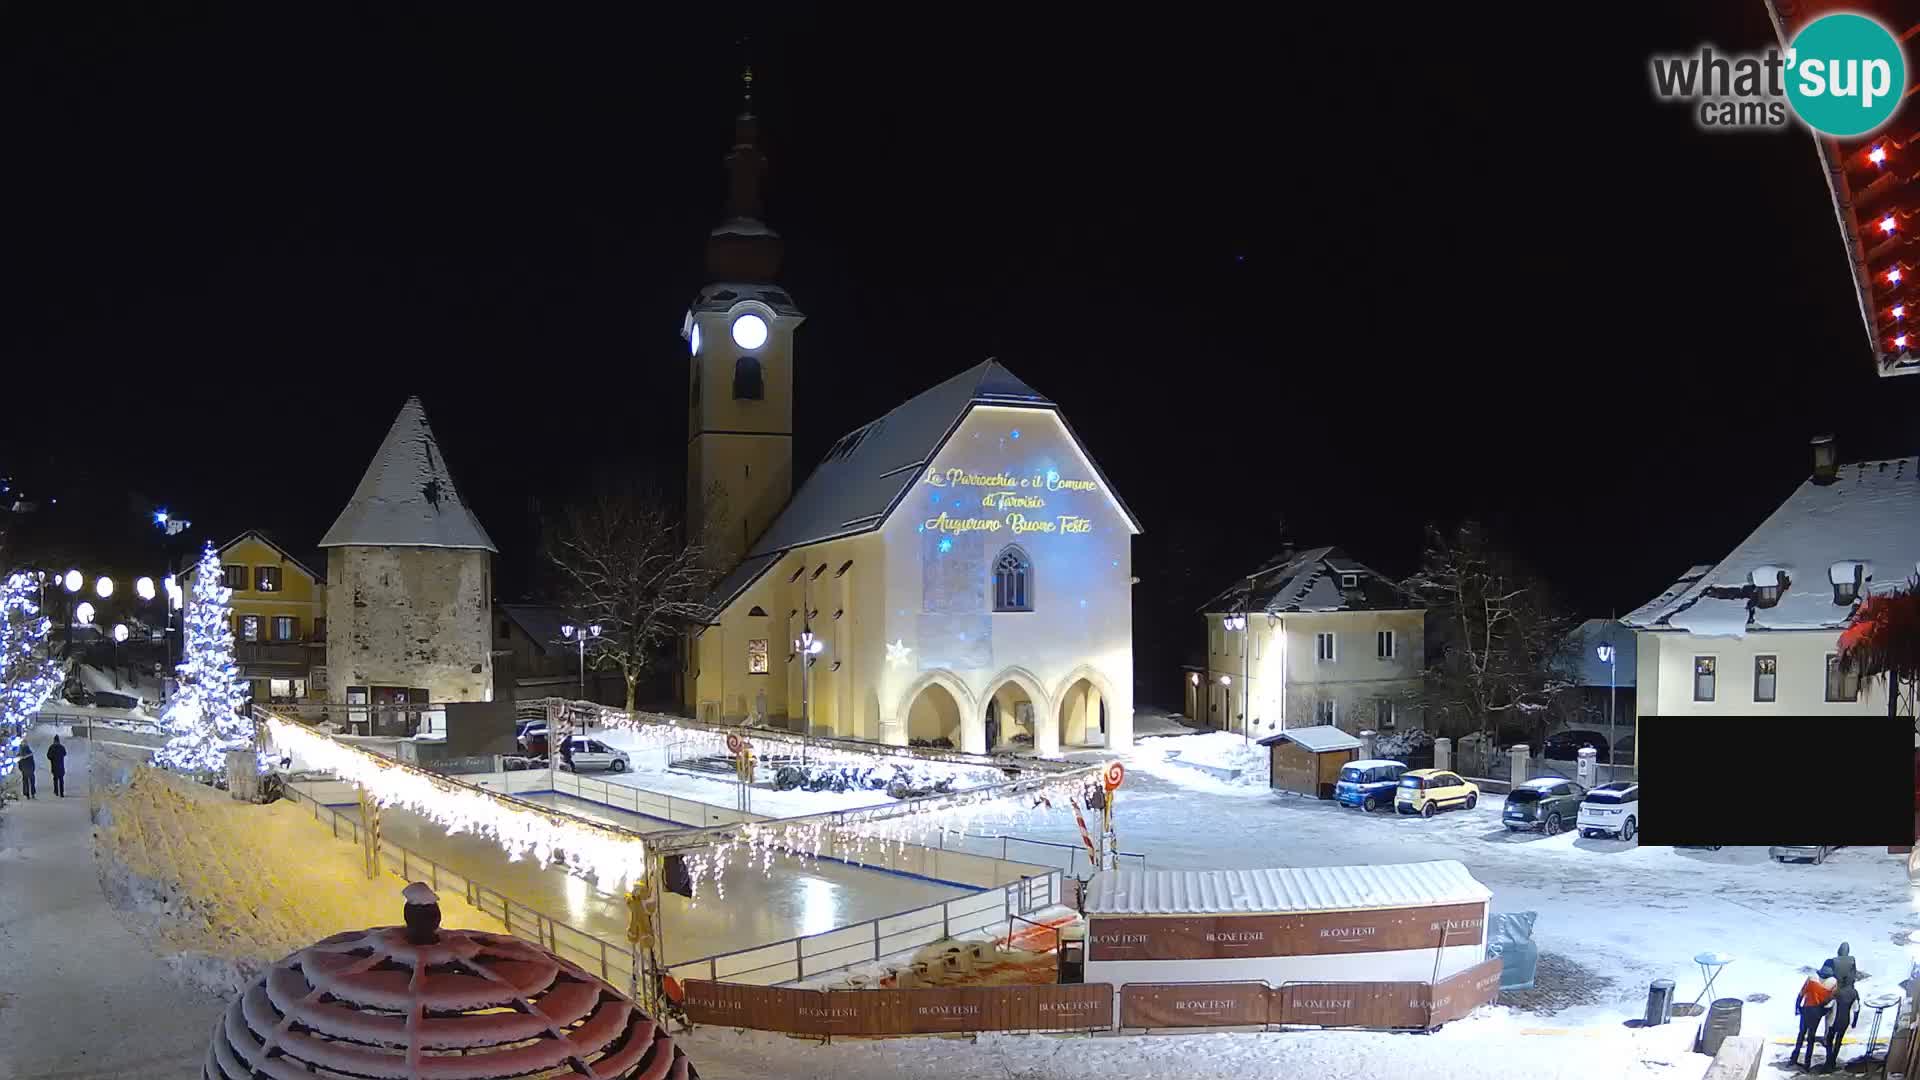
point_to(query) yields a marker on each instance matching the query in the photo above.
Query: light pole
(808, 647)
(579, 636)
(170, 527)
(1608, 657)
(1238, 623)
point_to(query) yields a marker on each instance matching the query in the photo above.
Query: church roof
(870, 469)
(407, 497)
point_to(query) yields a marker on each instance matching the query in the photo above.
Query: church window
(747, 384)
(844, 567)
(759, 611)
(817, 573)
(1013, 581)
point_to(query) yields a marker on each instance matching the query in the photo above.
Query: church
(958, 572)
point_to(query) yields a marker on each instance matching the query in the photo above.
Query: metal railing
(812, 955)
(674, 808)
(1075, 852)
(610, 961)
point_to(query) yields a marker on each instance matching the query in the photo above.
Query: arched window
(746, 379)
(1013, 581)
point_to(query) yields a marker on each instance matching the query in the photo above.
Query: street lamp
(579, 635)
(104, 587)
(1609, 657)
(808, 646)
(84, 613)
(144, 588)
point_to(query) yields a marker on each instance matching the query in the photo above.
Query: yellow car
(1427, 791)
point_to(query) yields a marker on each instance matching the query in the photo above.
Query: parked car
(1426, 791)
(531, 737)
(1611, 810)
(1369, 784)
(1546, 803)
(1808, 853)
(1566, 746)
(593, 754)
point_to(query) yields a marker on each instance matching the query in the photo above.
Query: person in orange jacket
(1816, 994)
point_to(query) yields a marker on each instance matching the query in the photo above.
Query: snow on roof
(742, 226)
(1310, 888)
(540, 622)
(1320, 738)
(407, 497)
(1870, 514)
(1371, 763)
(1639, 616)
(1591, 670)
(870, 469)
(1311, 580)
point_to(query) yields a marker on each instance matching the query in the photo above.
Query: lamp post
(1607, 657)
(808, 646)
(579, 635)
(170, 526)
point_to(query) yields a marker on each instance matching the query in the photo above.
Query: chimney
(1826, 460)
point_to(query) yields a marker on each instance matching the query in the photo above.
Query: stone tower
(410, 580)
(740, 332)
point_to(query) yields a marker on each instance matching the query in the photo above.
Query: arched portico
(1006, 692)
(938, 704)
(1083, 709)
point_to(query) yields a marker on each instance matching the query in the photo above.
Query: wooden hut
(1307, 760)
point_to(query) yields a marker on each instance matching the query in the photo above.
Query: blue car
(1368, 785)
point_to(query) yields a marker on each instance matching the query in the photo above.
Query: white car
(594, 754)
(1611, 810)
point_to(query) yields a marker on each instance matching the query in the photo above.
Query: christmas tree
(27, 671)
(206, 716)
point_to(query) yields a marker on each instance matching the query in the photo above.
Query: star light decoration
(897, 653)
(612, 855)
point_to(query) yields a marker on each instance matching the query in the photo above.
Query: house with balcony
(1758, 632)
(279, 618)
(1310, 638)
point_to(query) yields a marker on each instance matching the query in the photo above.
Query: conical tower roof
(407, 497)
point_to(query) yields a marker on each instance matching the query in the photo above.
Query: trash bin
(1659, 1002)
(1723, 1019)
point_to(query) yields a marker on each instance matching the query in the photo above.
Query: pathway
(74, 982)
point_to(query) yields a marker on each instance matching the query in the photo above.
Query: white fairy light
(612, 856)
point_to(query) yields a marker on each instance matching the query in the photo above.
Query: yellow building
(279, 619)
(956, 573)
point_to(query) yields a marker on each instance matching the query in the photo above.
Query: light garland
(611, 855)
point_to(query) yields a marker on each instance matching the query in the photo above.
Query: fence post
(799, 960)
(876, 940)
(946, 922)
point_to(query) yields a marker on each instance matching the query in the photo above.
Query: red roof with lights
(1875, 182)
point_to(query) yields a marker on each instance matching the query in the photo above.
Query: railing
(1075, 852)
(672, 808)
(612, 962)
(813, 955)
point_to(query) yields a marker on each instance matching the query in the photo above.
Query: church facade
(957, 572)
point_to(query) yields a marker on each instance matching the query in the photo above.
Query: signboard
(1173, 1005)
(1313, 933)
(1378, 1005)
(733, 744)
(1457, 995)
(1115, 773)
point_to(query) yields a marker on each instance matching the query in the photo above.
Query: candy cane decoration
(1085, 837)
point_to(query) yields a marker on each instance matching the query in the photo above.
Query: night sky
(1355, 270)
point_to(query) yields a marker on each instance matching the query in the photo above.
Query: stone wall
(410, 617)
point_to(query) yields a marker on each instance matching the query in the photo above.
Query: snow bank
(221, 889)
(1218, 761)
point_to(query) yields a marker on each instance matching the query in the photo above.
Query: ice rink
(796, 897)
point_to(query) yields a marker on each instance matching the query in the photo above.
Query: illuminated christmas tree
(28, 674)
(207, 716)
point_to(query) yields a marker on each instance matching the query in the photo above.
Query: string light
(1877, 155)
(1893, 276)
(1900, 342)
(610, 854)
(1899, 311)
(1887, 224)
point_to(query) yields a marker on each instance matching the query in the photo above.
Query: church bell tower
(740, 398)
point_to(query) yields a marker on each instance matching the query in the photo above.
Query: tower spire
(743, 248)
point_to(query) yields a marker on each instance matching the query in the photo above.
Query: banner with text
(1314, 933)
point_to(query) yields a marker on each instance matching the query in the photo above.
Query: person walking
(57, 765)
(1845, 971)
(1846, 1012)
(26, 769)
(1811, 1003)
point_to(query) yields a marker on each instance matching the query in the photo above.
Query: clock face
(749, 331)
(693, 339)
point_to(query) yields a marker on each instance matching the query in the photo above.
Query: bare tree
(626, 563)
(1500, 653)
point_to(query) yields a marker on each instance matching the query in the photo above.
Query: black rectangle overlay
(1751, 781)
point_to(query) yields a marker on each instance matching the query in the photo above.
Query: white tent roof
(407, 497)
(1305, 888)
(1319, 738)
